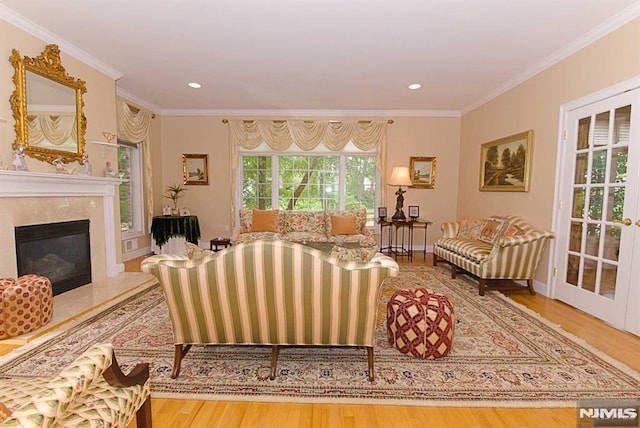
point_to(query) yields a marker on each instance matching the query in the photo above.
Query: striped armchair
(510, 250)
(271, 292)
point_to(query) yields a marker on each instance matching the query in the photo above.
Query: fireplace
(60, 251)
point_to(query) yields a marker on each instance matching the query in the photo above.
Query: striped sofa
(510, 250)
(271, 292)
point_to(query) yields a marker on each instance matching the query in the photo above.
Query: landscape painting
(505, 163)
(195, 169)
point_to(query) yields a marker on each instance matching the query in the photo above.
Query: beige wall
(407, 137)
(535, 104)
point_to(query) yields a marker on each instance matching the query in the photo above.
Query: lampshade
(400, 176)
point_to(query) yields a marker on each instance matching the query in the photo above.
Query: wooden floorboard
(623, 346)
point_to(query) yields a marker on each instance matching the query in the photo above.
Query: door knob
(638, 223)
(627, 221)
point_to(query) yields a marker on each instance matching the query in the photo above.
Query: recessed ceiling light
(195, 85)
(415, 86)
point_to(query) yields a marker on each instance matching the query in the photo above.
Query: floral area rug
(504, 355)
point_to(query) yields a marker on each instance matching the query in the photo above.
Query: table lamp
(400, 177)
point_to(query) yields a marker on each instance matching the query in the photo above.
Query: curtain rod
(389, 121)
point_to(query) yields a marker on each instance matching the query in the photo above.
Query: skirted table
(169, 233)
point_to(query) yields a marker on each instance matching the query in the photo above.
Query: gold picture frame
(515, 150)
(423, 172)
(195, 169)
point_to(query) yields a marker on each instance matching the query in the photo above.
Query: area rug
(504, 355)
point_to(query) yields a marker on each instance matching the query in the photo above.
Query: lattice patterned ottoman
(26, 304)
(420, 323)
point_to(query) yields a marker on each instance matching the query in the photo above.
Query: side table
(217, 244)
(397, 245)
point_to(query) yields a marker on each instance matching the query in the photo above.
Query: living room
(453, 136)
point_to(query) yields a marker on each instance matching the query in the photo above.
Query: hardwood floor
(623, 346)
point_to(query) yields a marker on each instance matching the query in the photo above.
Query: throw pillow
(513, 230)
(471, 227)
(492, 230)
(195, 252)
(4, 412)
(343, 225)
(265, 221)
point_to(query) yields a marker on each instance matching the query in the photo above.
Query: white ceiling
(318, 55)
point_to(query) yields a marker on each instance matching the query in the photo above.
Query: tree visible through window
(309, 182)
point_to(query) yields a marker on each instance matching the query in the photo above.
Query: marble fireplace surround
(32, 198)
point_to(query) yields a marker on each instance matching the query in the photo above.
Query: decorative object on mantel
(399, 177)
(108, 170)
(174, 192)
(19, 163)
(60, 167)
(86, 166)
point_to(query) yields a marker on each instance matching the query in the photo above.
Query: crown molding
(611, 24)
(48, 37)
(126, 95)
(310, 113)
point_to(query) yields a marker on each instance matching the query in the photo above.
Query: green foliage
(174, 192)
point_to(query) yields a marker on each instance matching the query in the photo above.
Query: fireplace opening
(59, 251)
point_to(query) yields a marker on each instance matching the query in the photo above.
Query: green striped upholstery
(271, 292)
(511, 257)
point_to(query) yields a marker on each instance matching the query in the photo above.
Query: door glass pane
(601, 131)
(615, 206)
(612, 242)
(595, 203)
(583, 133)
(598, 167)
(621, 125)
(593, 239)
(578, 203)
(573, 267)
(608, 278)
(575, 241)
(589, 275)
(618, 168)
(581, 168)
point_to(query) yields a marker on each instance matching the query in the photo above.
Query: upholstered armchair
(91, 392)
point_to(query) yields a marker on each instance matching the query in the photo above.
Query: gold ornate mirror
(47, 107)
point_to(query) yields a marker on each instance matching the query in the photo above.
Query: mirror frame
(47, 65)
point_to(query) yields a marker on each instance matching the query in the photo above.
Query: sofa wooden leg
(454, 268)
(370, 362)
(435, 260)
(482, 285)
(177, 359)
(274, 361)
(143, 415)
(531, 289)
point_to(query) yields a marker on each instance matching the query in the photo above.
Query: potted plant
(174, 192)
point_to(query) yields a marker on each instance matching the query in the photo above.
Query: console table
(169, 233)
(400, 244)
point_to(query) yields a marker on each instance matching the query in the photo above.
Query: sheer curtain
(134, 125)
(306, 134)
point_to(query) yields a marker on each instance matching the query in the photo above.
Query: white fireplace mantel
(25, 184)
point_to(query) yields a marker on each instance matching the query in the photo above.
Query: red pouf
(421, 323)
(26, 304)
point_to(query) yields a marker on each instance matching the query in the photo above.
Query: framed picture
(414, 211)
(195, 169)
(423, 172)
(382, 212)
(505, 163)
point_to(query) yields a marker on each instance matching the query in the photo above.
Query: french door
(598, 242)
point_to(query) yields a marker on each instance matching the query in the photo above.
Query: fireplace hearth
(60, 251)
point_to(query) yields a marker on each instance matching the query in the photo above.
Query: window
(308, 182)
(131, 212)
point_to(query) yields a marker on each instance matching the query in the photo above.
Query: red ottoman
(25, 304)
(420, 323)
